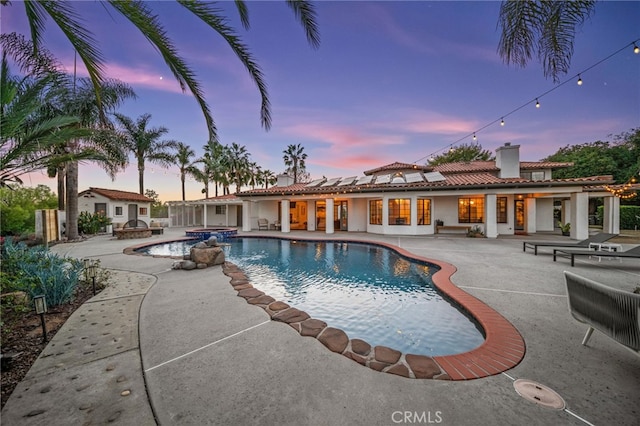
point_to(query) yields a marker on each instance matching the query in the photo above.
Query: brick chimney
(508, 160)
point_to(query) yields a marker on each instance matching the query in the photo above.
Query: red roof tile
(116, 195)
(396, 166)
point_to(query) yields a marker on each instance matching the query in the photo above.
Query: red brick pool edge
(502, 349)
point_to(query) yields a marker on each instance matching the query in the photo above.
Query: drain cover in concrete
(540, 394)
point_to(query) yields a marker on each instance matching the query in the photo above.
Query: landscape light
(40, 304)
(92, 271)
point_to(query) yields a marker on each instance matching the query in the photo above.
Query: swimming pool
(368, 291)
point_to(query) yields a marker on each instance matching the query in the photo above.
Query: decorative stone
(212, 241)
(200, 245)
(176, 265)
(242, 286)
(261, 300)
(378, 366)
(188, 265)
(201, 265)
(235, 282)
(312, 327)
(357, 358)
(334, 339)
(388, 355)
(400, 370)
(208, 255)
(290, 315)
(278, 306)
(250, 293)
(422, 366)
(360, 347)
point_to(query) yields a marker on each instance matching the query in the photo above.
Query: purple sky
(391, 81)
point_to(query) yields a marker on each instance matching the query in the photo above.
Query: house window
(118, 211)
(424, 211)
(470, 210)
(501, 209)
(221, 209)
(375, 212)
(400, 211)
(143, 211)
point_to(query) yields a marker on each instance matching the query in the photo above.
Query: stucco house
(119, 206)
(501, 197)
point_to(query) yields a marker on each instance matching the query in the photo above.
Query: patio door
(519, 215)
(133, 212)
(340, 215)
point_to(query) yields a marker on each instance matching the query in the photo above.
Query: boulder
(209, 255)
(212, 241)
(188, 265)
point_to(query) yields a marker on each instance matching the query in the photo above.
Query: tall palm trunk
(141, 176)
(72, 200)
(61, 188)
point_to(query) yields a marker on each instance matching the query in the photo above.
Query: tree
(141, 15)
(187, 167)
(268, 178)
(294, 159)
(463, 152)
(238, 165)
(544, 28)
(213, 166)
(144, 143)
(158, 208)
(19, 205)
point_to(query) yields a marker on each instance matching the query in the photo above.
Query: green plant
(566, 227)
(475, 232)
(37, 271)
(92, 223)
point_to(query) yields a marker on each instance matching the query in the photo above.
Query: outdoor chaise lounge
(598, 238)
(613, 312)
(631, 253)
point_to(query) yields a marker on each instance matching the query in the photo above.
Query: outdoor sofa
(616, 313)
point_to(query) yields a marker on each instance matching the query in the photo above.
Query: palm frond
(306, 14)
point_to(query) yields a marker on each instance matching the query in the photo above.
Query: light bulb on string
(475, 138)
(636, 49)
(502, 122)
(537, 103)
(579, 80)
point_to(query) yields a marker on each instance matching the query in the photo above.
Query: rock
(290, 315)
(201, 265)
(399, 369)
(261, 300)
(422, 366)
(360, 347)
(250, 293)
(388, 355)
(312, 327)
(188, 265)
(334, 339)
(200, 245)
(357, 358)
(278, 306)
(208, 255)
(212, 241)
(177, 265)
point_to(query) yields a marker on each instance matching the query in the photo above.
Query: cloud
(345, 137)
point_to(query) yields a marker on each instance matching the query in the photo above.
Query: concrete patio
(182, 349)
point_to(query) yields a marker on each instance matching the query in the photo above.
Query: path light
(40, 304)
(86, 262)
(92, 271)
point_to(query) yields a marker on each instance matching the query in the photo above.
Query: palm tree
(544, 28)
(268, 178)
(294, 159)
(144, 143)
(238, 165)
(187, 167)
(140, 14)
(28, 137)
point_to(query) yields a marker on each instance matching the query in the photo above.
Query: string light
(431, 156)
(475, 138)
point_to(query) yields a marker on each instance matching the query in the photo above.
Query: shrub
(19, 205)
(92, 223)
(37, 271)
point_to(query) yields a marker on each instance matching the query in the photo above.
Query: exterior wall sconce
(40, 304)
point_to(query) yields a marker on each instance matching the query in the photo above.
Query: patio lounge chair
(613, 312)
(598, 238)
(631, 253)
(263, 224)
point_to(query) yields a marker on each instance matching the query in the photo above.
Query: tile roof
(116, 195)
(397, 166)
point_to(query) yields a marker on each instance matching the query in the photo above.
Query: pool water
(370, 292)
